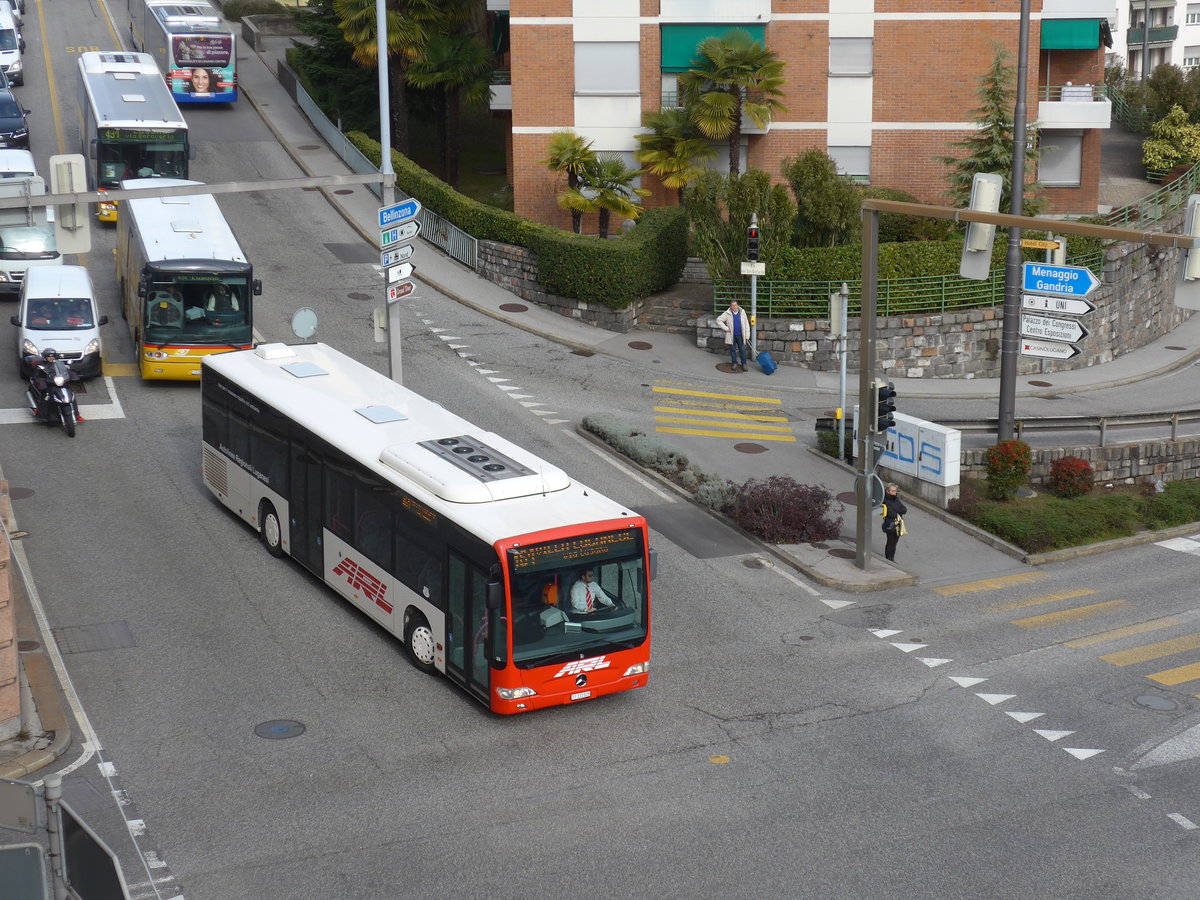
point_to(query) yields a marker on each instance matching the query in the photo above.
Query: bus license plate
(582, 695)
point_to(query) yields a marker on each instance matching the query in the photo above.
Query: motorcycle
(49, 392)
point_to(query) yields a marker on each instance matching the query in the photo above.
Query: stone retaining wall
(1147, 461)
(515, 269)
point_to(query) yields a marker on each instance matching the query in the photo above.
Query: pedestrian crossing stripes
(707, 414)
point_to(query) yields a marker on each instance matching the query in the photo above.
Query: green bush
(236, 10)
(614, 273)
(717, 494)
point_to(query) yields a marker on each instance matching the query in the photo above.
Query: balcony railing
(1073, 93)
(1160, 34)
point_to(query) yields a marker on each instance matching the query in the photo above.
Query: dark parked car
(14, 130)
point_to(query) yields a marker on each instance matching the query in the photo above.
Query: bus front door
(466, 626)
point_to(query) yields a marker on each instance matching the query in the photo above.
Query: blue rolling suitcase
(766, 362)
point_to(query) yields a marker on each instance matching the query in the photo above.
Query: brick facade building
(884, 86)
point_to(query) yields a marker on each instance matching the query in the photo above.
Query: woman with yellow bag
(893, 514)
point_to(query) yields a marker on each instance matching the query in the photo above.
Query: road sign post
(1048, 349)
(1052, 329)
(1065, 306)
(1062, 281)
(398, 228)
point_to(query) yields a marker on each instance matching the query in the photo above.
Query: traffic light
(752, 243)
(885, 405)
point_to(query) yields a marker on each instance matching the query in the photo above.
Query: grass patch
(1044, 522)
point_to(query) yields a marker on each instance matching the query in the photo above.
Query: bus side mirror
(653, 564)
(495, 595)
(141, 291)
(21, 41)
(92, 148)
(257, 287)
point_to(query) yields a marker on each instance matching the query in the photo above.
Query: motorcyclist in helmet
(42, 379)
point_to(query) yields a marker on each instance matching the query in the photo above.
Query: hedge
(615, 273)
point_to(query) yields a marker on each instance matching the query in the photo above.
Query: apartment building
(1173, 36)
(884, 86)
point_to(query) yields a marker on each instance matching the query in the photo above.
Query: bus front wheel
(272, 533)
(418, 637)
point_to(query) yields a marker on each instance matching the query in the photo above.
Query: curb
(884, 582)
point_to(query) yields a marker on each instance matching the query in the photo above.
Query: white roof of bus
(328, 403)
(127, 89)
(190, 16)
(189, 227)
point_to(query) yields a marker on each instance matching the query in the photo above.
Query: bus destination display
(574, 551)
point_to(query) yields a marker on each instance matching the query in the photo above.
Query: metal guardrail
(1102, 424)
(1157, 206)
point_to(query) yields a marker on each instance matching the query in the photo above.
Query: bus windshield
(554, 584)
(165, 157)
(197, 309)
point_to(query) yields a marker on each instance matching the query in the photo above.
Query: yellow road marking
(1117, 633)
(725, 434)
(1043, 599)
(1154, 651)
(691, 411)
(121, 370)
(680, 420)
(682, 393)
(1178, 675)
(708, 404)
(988, 584)
(1049, 620)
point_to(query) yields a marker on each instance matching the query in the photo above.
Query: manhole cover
(27, 646)
(344, 191)
(279, 729)
(843, 554)
(726, 368)
(359, 295)
(749, 448)
(849, 497)
(584, 352)
(1176, 348)
(640, 345)
(19, 493)
(514, 307)
(1041, 383)
(1150, 701)
(754, 563)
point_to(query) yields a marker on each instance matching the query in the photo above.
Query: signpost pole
(866, 369)
(844, 299)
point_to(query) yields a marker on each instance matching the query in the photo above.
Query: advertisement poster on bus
(203, 68)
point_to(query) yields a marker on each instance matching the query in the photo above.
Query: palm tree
(458, 67)
(733, 74)
(608, 188)
(673, 149)
(410, 23)
(570, 153)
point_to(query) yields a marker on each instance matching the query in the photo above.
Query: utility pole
(388, 192)
(1146, 40)
(1011, 327)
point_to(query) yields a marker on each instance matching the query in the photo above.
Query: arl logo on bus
(583, 665)
(360, 579)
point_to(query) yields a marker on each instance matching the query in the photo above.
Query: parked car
(14, 130)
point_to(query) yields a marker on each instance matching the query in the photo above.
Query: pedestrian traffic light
(885, 405)
(752, 243)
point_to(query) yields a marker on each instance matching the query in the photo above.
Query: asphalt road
(791, 742)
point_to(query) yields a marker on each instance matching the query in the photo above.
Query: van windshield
(60, 314)
(28, 242)
(8, 39)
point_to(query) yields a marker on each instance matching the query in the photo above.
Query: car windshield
(551, 598)
(8, 39)
(28, 242)
(9, 109)
(59, 315)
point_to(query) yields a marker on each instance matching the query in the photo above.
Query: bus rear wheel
(418, 638)
(272, 533)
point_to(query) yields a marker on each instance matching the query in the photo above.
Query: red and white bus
(455, 540)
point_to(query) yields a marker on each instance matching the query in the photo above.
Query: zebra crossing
(741, 417)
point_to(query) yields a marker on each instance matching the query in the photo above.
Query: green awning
(679, 42)
(1070, 34)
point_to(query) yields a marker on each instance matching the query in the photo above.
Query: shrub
(1070, 477)
(782, 511)
(1008, 464)
(717, 495)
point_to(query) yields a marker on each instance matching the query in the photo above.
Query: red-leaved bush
(780, 510)
(1071, 476)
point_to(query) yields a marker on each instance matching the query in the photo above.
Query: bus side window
(339, 500)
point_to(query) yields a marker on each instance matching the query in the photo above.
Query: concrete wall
(515, 269)
(1147, 461)
(1134, 306)
(10, 688)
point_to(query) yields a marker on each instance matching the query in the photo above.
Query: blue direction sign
(1065, 281)
(398, 213)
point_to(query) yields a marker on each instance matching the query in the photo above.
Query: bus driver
(586, 595)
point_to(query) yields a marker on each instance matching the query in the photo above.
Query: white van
(12, 45)
(57, 309)
(17, 165)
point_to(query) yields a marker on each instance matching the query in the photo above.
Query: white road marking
(933, 662)
(1052, 736)
(908, 647)
(1137, 792)
(966, 680)
(1024, 717)
(652, 488)
(884, 632)
(1182, 544)
(1081, 753)
(995, 698)
(1182, 820)
(778, 570)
